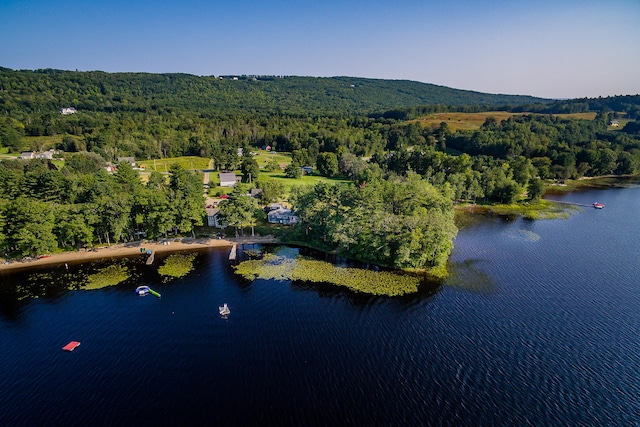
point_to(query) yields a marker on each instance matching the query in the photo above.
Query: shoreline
(132, 249)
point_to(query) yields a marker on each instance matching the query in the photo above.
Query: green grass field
(187, 162)
(264, 157)
(283, 159)
(40, 143)
(473, 121)
(4, 153)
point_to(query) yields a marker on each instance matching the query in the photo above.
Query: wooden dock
(234, 253)
(151, 258)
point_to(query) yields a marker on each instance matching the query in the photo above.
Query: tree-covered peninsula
(404, 223)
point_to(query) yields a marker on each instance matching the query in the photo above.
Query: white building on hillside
(228, 179)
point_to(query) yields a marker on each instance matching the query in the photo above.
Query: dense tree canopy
(48, 90)
(42, 209)
(401, 223)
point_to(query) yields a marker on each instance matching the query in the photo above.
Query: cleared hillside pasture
(264, 157)
(4, 154)
(584, 116)
(187, 162)
(462, 121)
(473, 121)
(41, 143)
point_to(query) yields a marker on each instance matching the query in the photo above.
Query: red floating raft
(72, 345)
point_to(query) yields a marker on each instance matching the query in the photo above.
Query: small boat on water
(598, 205)
(224, 310)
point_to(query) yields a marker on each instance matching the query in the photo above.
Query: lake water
(538, 325)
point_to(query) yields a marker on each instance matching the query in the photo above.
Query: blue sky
(546, 48)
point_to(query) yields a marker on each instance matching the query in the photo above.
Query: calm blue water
(538, 325)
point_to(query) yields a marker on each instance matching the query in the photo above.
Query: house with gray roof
(228, 179)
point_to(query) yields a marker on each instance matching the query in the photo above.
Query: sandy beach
(131, 249)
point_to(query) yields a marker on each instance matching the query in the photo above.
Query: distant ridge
(49, 89)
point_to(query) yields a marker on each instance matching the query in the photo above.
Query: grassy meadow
(187, 162)
(263, 157)
(473, 121)
(4, 153)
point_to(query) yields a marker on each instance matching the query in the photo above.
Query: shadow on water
(468, 277)
(425, 292)
(50, 282)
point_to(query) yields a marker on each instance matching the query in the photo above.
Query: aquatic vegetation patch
(108, 276)
(252, 253)
(541, 209)
(533, 210)
(311, 270)
(269, 267)
(35, 286)
(176, 265)
(524, 235)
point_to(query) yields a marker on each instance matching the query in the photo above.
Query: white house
(46, 154)
(28, 155)
(67, 110)
(228, 179)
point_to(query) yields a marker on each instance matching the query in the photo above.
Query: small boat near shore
(224, 310)
(598, 205)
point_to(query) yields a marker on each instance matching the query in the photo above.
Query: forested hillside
(46, 91)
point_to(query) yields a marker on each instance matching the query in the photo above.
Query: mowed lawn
(264, 157)
(284, 159)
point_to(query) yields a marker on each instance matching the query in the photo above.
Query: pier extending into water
(234, 253)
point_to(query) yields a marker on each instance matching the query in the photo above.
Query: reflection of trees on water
(467, 276)
(401, 303)
(48, 282)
